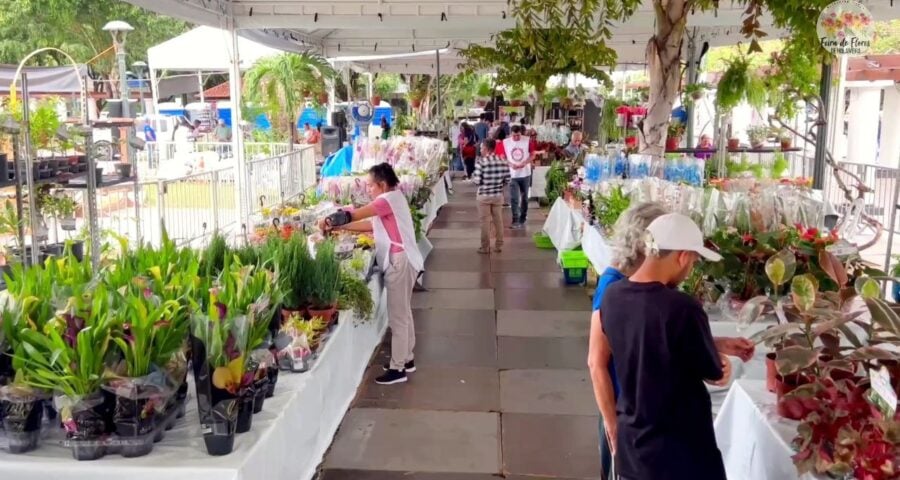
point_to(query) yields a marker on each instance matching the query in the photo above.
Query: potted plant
(738, 83)
(676, 130)
(326, 285)
(148, 331)
(295, 271)
(22, 411)
(355, 295)
(734, 144)
(69, 356)
(693, 92)
(784, 138)
(758, 135)
(123, 169)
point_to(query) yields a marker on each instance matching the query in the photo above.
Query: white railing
(163, 155)
(274, 180)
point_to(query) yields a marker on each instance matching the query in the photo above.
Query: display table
(288, 440)
(563, 226)
(754, 440)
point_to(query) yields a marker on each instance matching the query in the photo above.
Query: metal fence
(158, 154)
(191, 207)
(882, 180)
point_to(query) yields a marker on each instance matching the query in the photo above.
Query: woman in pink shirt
(397, 252)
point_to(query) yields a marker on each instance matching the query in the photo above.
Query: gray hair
(628, 235)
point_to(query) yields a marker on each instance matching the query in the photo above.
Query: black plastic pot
(53, 249)
(78, 249)
(260, 388)
(216, 408)
(22, 421)
(272, 373)
(124, 170)
(91, 425)
(98, 175)
(4, 168)
(134, 420)
(181, 397)
(245, 411)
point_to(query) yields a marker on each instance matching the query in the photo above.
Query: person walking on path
(491, 176)
(481, 129)
(664, 353)
(454, 133)
(519, 156)
(628, 255)
(397, 252)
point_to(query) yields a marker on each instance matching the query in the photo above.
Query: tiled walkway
(502, 388)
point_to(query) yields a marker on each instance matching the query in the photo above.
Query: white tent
(203, 49)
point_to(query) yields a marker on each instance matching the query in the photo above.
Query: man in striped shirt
(491, 176)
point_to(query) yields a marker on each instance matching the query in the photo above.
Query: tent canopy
(205, 49)
(363, 27)
(45, 80)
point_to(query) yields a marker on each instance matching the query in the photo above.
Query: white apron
(383, 243)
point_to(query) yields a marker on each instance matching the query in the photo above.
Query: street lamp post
(140, 67)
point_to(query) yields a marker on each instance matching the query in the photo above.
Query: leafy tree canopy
(76, 27)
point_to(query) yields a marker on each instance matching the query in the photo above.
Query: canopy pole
(821, 130)
(691, 78)
(154, 91)
(200, 85)
(241, 183)
(440, 115)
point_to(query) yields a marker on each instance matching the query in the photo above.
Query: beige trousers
(490, 211)
(399, 279)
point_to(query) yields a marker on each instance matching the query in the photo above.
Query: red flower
(747, 238)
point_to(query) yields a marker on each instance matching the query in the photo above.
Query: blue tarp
(338, 163)
(310, 116)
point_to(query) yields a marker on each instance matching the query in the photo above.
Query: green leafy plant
(557, 181)
(676, 129)
(147, 330)
(779, 165)
(295, 272)
(355, 295)
(693, 92)
(758, 134)
(739, 83)
(327, 277)
(608, 208)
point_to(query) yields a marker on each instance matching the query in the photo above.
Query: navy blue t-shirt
(607, 278)
(664, 351)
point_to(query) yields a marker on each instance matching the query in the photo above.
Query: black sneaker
(409, 367)
(391, 377)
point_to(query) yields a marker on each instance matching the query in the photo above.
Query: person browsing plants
(519, 156)
(397, 252)
(665, 352)
(628, 254)
(491, 175)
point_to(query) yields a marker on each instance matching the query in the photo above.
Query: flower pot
(697, 95)
(216, 408)
(124, 170)
(87, 423)
(67, 223)
(4, 168)
(261, 389)
(376, 100)
(181, 398)
(245, 410)
(515, 103)
(134, 420)
(771, 372)
(78, 249)
(22, 422)
(734, 144)
(757, 143)
(272, 374)
(672, 143)
(786, 143)
(790, 408)
(98, 175)
(326, 313)
(287, 313)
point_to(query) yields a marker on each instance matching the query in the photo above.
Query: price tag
(882, 394)
(206, 428)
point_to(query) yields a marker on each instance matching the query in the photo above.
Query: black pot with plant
(22, 411)
(261, 389)
(217, 407)
(272, 374)
(87, 424)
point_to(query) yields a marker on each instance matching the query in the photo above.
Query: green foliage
(887, 38)
(779, 165)
(386, 84)
(296, 265)
(282, 83)
(739, 83)
(147, 335)
(552, 37)
(608, 208)
(355, 295)
(557, 181)
(326, 276)
(608, 120)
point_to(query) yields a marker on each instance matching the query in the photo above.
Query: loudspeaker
(332, 139)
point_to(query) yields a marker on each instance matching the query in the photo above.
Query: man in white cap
(664, 353)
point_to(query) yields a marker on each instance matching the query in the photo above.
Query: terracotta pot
(672, 143)
(287, 313)
(327, 314)
(734, 144)
(376, 100)
(771, 372)
(790, 408)
(515, 103)
(785, 143)
(323, 98)
(416, 102)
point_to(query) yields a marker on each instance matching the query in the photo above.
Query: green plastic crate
(572, 259)
(542, 241)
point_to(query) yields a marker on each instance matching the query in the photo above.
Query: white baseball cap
(677, 232)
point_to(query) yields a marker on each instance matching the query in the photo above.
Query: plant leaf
(833, 267)
(793, 359)
(803, 291)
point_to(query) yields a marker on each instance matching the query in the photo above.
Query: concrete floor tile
(473, 232)
(435, 388)
(457, 261)
(545, 265)
(451, 244)
(439, 279)
(543, 324)
(528, 280)
(479, 323)
(382, 475)
(542, 299)
(526, 252)
(551, 446)
(456, 350)
(460, 298)
(537, 352)
(417, 440)
(557, 392)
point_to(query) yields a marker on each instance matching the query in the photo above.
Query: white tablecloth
(287, 442)
(754, 439)
(595, 247)
(563, 226)
(538, 182)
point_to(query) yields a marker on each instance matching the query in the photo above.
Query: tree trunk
(538, 107)
(664, 62)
